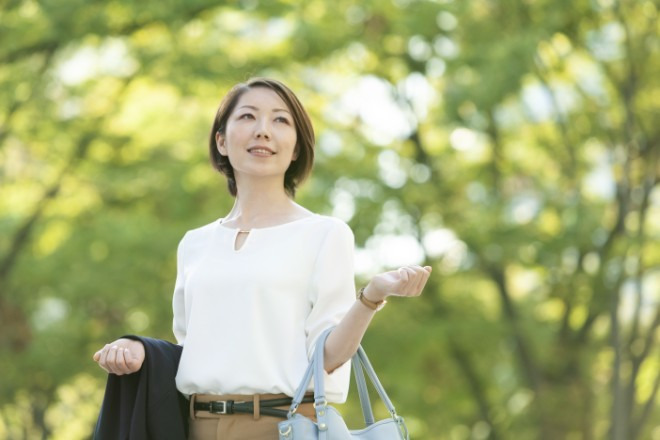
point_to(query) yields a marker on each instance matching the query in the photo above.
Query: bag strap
(371, 373)
(315, 369)
(319, 389)
(361, 384)
(360, 360)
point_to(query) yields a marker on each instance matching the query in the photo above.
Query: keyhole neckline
(221, 223)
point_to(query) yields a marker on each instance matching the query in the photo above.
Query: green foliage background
(519, 159)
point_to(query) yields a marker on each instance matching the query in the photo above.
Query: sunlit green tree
(511, 145)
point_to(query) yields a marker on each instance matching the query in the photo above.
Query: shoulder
(329, 224)
(199, 234)
(203, 230)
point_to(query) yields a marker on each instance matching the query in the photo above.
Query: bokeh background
(512, 145)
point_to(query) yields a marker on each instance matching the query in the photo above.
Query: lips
(261, 151)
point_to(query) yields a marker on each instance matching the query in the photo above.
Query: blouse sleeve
(179, 299)
(332, 291)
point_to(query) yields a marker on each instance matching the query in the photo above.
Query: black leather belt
(266, 407)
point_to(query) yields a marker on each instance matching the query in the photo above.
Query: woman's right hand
(123, 356)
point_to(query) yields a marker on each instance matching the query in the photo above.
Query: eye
(246, 116)
(282, 119)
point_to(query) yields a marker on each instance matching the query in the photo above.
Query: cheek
(296, 147)
(232, 139)
(293, 140)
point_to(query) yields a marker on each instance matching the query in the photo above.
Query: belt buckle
(222, 404)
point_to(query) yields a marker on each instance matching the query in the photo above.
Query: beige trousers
(207, 426)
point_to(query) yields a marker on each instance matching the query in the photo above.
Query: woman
(256, 288)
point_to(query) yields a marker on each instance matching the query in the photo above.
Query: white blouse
(248, 319)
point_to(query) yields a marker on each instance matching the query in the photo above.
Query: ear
(220, 143)
(295, 153)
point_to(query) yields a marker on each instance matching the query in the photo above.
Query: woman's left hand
(405, 281)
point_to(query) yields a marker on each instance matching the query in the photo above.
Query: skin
(260, 138)
(260, 141)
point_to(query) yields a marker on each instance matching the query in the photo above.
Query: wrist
(373, 295)
(373, 305)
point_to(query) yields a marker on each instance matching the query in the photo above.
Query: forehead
(262, 98)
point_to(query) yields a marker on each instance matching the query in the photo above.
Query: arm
(344, 340)
(179, 324)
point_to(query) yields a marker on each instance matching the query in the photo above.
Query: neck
(257, 201)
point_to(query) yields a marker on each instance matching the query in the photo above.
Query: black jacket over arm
(145, 405)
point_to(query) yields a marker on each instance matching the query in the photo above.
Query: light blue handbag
(330, 425)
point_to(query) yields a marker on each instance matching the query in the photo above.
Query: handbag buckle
(218, 407)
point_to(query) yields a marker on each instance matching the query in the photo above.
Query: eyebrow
(256, 108)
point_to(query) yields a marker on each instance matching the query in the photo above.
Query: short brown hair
(299, 168)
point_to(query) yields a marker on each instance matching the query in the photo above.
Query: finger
(127, 359)
(112, 359)
(399, 286)
(97, 356)
(120, 364)
(417, 280)
(408, 281)
(422, 278)
(404, 275)
(109, 359)
(103, 359)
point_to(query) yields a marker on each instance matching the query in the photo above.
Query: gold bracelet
(371, 304)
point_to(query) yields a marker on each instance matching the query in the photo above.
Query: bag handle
(371, 373)
(315, 369)
(365, 402)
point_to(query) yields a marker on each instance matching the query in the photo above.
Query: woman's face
(260, 136)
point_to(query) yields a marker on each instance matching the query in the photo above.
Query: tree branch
(560, 120)
(527, 364)
(475, 384)
(619, 411)
(16, 104)
(22, 235)
(623, 202)
(51, 44)
(636, 428)
(637, 360)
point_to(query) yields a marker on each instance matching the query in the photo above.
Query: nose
(262, 129)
